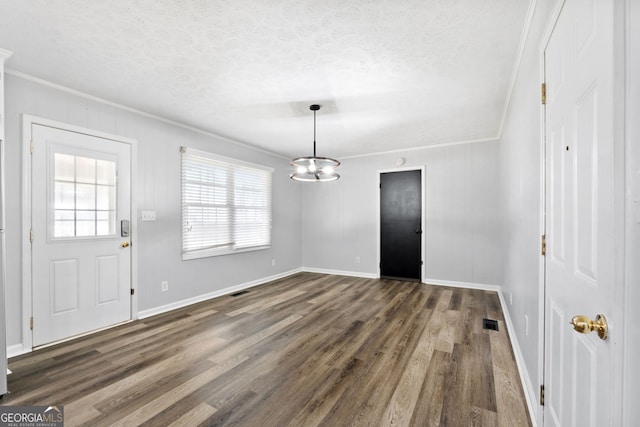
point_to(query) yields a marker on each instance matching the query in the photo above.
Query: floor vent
(237, 294)
(490, 324)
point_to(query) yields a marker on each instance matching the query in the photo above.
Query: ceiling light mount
(314, 168)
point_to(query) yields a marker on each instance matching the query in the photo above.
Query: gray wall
(157, 187)
(340, 220)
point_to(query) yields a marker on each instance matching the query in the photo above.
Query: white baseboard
(469, 285)
(530, 392)
(16, 350)
(185, 302)
(340, 272)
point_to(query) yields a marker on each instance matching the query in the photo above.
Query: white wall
(157, 187)
(520, 189)
(340, 219)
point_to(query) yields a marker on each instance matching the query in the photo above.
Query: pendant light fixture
(314, 169)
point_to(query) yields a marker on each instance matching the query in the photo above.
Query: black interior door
(401, 225)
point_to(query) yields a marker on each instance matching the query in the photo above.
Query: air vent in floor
(490, 324)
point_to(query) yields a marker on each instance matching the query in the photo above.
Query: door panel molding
(28, 121)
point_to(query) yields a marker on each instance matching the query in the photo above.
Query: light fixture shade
(314, 168)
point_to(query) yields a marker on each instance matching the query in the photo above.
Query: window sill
(206, 253)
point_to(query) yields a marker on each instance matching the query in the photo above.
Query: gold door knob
(124, 244)
(584, 325)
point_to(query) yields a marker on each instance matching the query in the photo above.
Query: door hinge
(542, 395)
(31, 323)
(543, 93)
(31, 147)
(133, 291)
(543, 245)
(31, 235)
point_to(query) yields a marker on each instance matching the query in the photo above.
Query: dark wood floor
(306, 350)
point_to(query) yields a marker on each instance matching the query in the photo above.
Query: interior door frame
(423, 181)
(617, 400)
(27, 310)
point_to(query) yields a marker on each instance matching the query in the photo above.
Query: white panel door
(580, 180)
(81, 264)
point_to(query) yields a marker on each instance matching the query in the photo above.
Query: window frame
(229, 165)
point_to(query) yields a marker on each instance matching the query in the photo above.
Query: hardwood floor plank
(269, 369)
(46, 353)
(510, 400)
(483, 418)
(326, 297)
(358, 400)
(171, 396)
(327, 395)
(249, 341)
(457, 397)
(406, 394)
(428, 408)
(260, 306)
(148, 376)
(434, 297)
(447, 332)
(195, 416)
(483, 393)
(456, 301)
(157, 331)
(142, 392)
(305, 350)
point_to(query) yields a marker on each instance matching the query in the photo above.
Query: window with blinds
(226, 205)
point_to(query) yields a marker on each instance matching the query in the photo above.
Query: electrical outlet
(357, 260)
(273, 263)
(510, 298)
(165, 286)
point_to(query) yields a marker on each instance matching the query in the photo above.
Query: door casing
(27, 122)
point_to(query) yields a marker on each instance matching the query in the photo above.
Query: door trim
(533, 393)
(27, 310)
(423, 181)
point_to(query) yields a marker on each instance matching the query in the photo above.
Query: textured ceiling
(390, 74)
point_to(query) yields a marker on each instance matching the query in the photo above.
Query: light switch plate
(148, 215)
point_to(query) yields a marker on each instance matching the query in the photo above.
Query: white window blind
(226, 205)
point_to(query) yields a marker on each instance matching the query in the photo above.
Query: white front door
(580, 214)
(81, 263)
